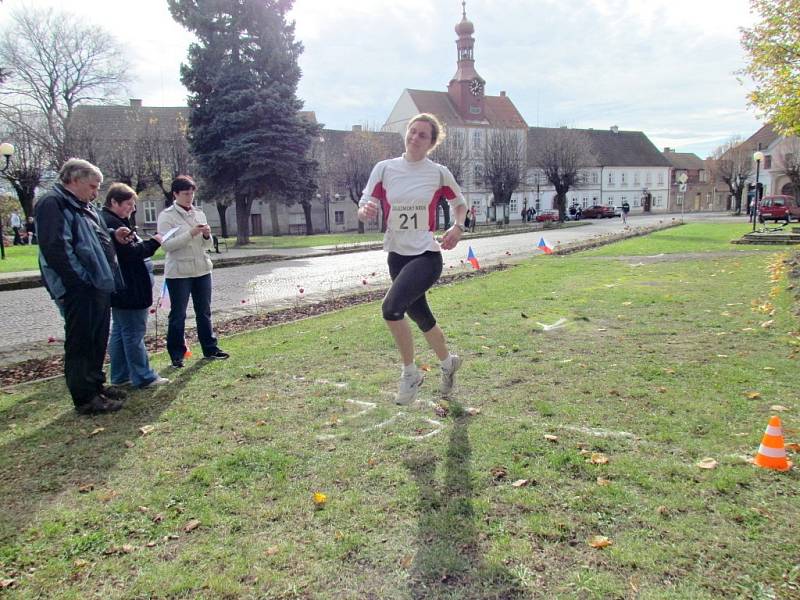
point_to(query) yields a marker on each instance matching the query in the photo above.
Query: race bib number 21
(408, 218)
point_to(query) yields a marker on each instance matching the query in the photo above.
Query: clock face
(476, 87)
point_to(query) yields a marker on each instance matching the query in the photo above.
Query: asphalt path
(32, 326)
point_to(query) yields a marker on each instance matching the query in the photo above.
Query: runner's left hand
(451, 238)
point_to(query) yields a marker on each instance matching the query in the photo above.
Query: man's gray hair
(77, 168)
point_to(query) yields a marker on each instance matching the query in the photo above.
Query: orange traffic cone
(771, 453)
(186, 352)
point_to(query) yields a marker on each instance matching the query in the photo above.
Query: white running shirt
(409, 192)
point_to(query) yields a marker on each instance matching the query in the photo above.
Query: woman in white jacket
(186, 238)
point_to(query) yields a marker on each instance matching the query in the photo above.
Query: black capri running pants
(412, 276)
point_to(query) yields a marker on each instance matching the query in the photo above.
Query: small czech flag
(473, 260)
(544, 246)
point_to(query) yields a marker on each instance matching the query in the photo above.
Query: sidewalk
(234, 257)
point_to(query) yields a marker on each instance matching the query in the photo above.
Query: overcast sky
(665, 67)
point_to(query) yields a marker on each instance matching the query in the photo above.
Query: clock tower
(466, 88)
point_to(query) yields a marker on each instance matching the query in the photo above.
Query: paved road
(30, 318)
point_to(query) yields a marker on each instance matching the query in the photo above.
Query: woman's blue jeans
(128, 353)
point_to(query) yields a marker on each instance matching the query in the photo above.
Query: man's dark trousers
(87, 315)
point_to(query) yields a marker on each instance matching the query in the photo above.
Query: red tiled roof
(499, 111)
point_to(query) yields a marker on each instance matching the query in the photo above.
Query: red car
(550, 215)
(598, 211)
(778, 208)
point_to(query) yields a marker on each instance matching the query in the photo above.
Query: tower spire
(463, 9)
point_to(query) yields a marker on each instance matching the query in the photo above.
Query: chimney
(503, 94)
(357, 128)
(668, 150)
(136, 103)
(614, 129)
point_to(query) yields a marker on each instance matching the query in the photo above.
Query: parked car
(598, 211)
(547, 215)
(778, 208)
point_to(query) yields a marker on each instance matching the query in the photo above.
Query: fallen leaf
(627, 303)
(599, 541)
(319, 500)
(7, 583)
(662, 510)
(129, 444)
(669, 371)
(441, 411)
(471, 411)
(79, 563)
(778, 408)
(271, 551)
(260, 423)
(767, 324)
(425, 368)
(406, 561)
(191, 525)
(150, 545)
(158, 518)
(520, 483)
(602, 481)
(769, 368)
(793, 446)
(707, 463)
(145, 429)
(372, 461)
(96, 431)
(753, 395)
(108, 496)
(722, 356)
(124, 549)
(662, 390)
(550, 438)
(86, 488)
(598, 458)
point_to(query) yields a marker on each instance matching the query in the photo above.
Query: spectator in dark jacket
(129, 308)
(80, 270)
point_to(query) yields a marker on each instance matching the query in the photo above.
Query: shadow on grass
(65, 455)
(449, 562)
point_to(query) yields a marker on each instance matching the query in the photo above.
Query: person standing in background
(186, 238)
(16, 225)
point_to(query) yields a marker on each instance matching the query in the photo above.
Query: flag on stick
(544, 246)
(163, 299)
(473, 260)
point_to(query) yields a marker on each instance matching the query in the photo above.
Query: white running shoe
(409, 386)
(448, 375)
(157, 382)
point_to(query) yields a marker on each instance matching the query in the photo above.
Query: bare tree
(734, 168)
(563, 155)
(790, 159)
(29, 160)
(362, 149)
(56, 62)
(452, 153)
(504, 164)
(165, 151)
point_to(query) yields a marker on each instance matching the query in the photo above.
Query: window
(478, 175)
(610, 200)
(513, 206)
(585, 202)
(595, 177)
(338, 217)
(477, 139)
(475, 110)
(149, 211)
(636, 178)
(622, 178)
(703, 174)
(659, 200)
(611, 178)
(648, 178)
(768, 161)
(661, 178)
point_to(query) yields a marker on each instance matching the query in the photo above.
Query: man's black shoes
(113, 393)
(218, 355)
(98, 405)
(177, 364)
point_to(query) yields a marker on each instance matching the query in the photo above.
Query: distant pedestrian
(626, 208)
(16, 225)
(186, 239)
(80, 271)
(129, 307)
(473, 219)
(30, 229)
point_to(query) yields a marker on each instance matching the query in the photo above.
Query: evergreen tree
(245, 129)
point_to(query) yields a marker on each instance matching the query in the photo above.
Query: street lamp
(682, 179)
(758, 156)
(6, 150)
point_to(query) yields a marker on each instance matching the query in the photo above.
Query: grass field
(205, 488)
